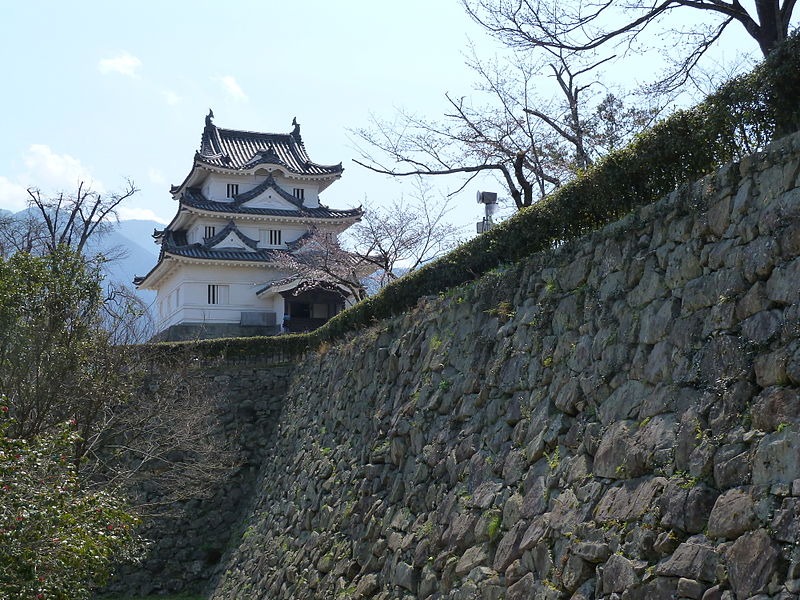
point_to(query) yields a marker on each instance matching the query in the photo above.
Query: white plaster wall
(270, 199)
(214, 187)
(183, 297)
(252, 229)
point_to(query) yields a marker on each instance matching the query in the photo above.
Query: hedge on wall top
(741, 117)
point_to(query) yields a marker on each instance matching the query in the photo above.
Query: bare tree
(575, 26)
(532, 144)
(137, 417)
(162, 443)
(406, 234)
(71, 219)
(22, 232)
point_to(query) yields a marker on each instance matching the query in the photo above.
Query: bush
(58, 539)
(741, 117)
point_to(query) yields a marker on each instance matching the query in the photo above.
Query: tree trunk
(771, 30)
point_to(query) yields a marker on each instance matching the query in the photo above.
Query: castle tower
(248, 197)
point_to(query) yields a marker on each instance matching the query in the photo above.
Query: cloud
(171, 97)
(232, 87)
(125, 64)
(127, 213)
(56, 172)
(13, 196)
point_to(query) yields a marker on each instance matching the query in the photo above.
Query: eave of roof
(193, 198)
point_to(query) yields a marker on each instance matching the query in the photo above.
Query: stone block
(732, 515)
(367, 587)
(619, 574)
(776, 407)
(782, 285)
(690, 588)
(693, 559)
(719, 216)
(786, 521)
(472, 557)
(751, 560)
(777, 458)
(762, 326)
(508, 549)
(630, 500)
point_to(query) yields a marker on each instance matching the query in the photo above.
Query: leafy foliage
(53, 354)
(57, 538)
(739, 118)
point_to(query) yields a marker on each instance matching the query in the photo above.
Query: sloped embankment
(619, 415)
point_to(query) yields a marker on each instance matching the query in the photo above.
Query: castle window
(210, 231)
(232, 190)
(299, 193)
(271, 237)
(217, 294)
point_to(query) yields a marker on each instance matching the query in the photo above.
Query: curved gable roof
(231, 227)
(237, 149)
(194, 198)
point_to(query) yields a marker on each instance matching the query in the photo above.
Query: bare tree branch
(532, 145)
(579, 27)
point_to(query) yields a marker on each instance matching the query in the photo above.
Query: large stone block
(752, 560)
(694, 559)
(777, 458)
(732, 515)
(629, 500)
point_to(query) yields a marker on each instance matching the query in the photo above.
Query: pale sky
(105, 91)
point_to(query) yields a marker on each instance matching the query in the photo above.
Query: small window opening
(217, 294)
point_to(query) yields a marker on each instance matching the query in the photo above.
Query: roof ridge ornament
(296, 131)
(210, 143)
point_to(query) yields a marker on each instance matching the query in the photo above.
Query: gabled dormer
(231, 238)
(268, 194)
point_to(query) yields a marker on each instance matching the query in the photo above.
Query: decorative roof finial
(296, 130)
(209, 116)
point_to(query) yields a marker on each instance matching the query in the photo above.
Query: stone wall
(189, 544)
(620, 416)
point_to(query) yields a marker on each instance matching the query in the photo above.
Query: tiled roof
(280, 283)
(174, 242)
(234, 149)
(194, 198)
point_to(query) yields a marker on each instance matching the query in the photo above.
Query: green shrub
(740, 117)
(58, 538)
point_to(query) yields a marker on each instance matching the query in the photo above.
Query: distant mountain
(133, 239)
(140, 231)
